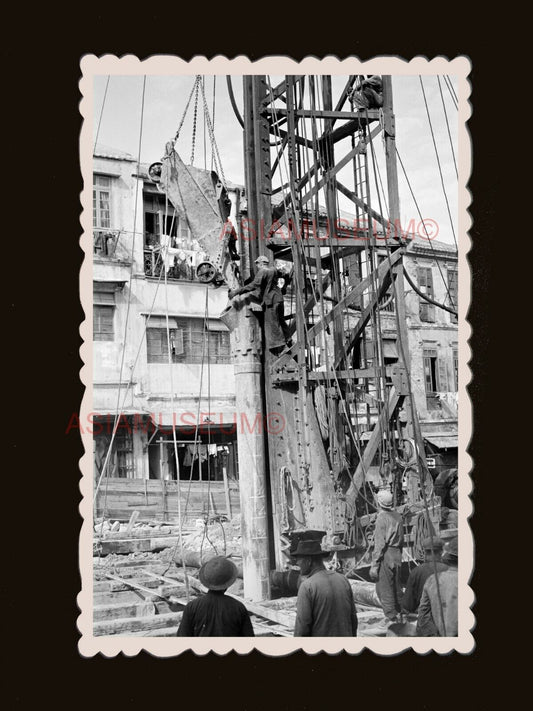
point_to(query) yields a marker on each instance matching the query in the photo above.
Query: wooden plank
(280, 616)
(136, 624)
(122, 610)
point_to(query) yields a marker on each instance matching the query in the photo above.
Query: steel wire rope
(115, 427)
(448, 126)
(420, 462)
(293, 196)
(438, 161)
(451, 90)
(305, 325)
(323, 315)
(101, 113)
(390, 442)
(375, 314)
(429, 240)
(175, 443)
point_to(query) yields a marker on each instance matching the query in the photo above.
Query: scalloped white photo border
(110, 646)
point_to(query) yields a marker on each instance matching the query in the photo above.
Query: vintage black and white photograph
(275, 419)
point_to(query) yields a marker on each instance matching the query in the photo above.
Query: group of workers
(325, 603)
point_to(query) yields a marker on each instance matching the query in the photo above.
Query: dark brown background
(41, 74)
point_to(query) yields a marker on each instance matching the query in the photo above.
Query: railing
(179, 270)
(105, 242)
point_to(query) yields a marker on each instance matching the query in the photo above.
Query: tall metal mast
(315, 473)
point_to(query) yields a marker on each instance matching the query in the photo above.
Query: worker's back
(325, 606)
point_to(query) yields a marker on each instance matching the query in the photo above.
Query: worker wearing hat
(438, 609)
(264, 289)
(387, 557)
(216, 614)
(325, 606)
(432, 546)
(369, 95)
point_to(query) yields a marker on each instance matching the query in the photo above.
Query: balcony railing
(177, 269)
(105, 242)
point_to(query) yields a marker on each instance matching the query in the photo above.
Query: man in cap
(417, 579)
(325, 606)
(387, 557)
(264, 290)
(216, 614)
(437, 612)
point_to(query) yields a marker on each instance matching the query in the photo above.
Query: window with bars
(425, 284)
(187, 341)
(102, 201)
(452, 292)
(103, 323)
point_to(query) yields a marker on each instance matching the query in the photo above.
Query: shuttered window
(425, 284)
(187, 341)
(430, 370)
(102, 201)
(103, 326)
(452, 292)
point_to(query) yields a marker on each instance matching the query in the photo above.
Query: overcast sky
(117, 122)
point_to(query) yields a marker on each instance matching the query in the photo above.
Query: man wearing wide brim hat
(325, 606)
(432, 546)
(438, 609)
(216, 614)
(387, 557)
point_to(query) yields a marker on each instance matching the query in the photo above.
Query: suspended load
(202, 201)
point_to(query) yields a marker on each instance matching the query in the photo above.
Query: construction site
(271, 356)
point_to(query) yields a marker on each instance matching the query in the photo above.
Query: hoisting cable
(451, 90)
(438, 161)
(425, 296)
(428, 238)
(101, 113)
(214, 107)
(420, 463)
(320, 301)
(448, 126)
(232, 100)
(117, 416)
(174, 440)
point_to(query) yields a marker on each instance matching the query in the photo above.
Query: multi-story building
(162, 356)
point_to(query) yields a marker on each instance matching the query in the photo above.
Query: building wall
(135, 296)
(439, 336)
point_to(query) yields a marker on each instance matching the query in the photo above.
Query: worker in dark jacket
(387, 557)
(216, 614)
(264, 290)
(418, 576)
(438, 609)
(369, 95)
(325, 606)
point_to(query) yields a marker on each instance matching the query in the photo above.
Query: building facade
(161, 354)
